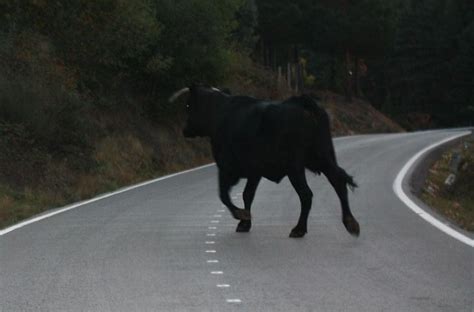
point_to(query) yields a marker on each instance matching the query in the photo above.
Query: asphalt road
(147, 249)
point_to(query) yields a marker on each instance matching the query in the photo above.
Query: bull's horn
(177, 94)
(215, 89)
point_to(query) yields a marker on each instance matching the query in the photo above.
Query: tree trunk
(296, 55)
(357, 77)
(262, 52)
(279, 77)
(288, 75)
(349, 90)
(268, 56)
(333, 73)
(297, 89)
(274, 60)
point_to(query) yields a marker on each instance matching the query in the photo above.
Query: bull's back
(266, 139)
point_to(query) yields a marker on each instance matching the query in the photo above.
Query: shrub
(33, 92)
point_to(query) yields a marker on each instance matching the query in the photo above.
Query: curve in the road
(398, 189)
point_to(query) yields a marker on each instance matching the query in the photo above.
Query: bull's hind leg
(298, 180)
(226, 181)
(339, 179)
(249, 194)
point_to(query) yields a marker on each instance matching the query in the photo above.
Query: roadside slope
(454, 202)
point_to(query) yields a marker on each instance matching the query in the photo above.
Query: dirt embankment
(355, 117)
(455, 201)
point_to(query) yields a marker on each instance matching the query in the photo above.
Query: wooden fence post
(279, 77)
(288, 75)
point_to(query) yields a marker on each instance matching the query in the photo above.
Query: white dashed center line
(214, 220)
(212, 261)
(234, 301)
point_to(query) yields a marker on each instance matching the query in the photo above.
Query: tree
(431, 65)
(245, 35)
(196, 38)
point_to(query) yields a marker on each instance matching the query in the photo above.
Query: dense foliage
(431, 64)
(410, 58)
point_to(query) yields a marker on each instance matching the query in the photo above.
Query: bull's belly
(272, 171)
(271, 163)
(274, 177)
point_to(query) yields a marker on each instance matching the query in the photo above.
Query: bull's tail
(324, 129)
(323, 124)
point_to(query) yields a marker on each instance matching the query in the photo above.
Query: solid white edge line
(398, 189)
(122, 190)
(72, 206)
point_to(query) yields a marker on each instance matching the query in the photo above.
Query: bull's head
(201, 108)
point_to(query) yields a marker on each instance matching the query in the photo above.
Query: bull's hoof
(297, 233)
(352, 226)
(244, 226)
(242, 214)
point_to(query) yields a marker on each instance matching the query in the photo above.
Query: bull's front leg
(226, 181)
(249, 194)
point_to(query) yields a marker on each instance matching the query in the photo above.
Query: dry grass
(15, 207)
(123, 159)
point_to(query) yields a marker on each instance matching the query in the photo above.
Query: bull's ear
(226, 91)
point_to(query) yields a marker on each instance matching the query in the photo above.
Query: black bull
(253, 138)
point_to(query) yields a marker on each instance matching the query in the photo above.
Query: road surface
(154, 248)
